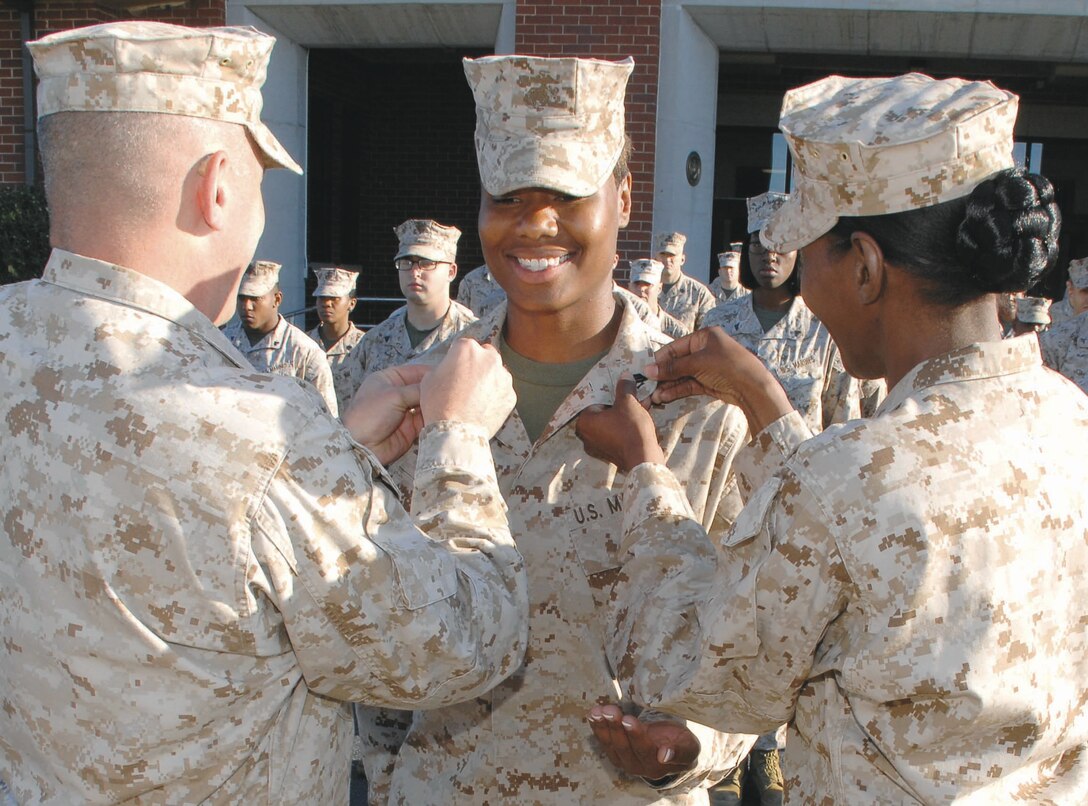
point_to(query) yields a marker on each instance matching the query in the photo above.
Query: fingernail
(608, 716)
(650, 371)
(628, 722)
(666, 756)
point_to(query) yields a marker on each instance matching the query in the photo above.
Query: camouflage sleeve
(765, 455)
(319, 374)
(353, 368)
(381, 610)
(704, 305)
(727, 501)
(1050, 345)
(654, 491)
(382, 732)
(464, 292)
(728, 643)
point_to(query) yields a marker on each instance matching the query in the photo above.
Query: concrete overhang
(449, 24)
(1052, 30)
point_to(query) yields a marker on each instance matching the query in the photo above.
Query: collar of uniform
(987, 359)
(269, 341)
(279, 334)
(108, 281)
(793, 325)
(632, 350)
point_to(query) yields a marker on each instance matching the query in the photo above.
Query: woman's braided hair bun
(1009, 236)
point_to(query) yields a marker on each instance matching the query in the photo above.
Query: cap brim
(572, 167)
(272, 148)
(423, 251)
(792, 226)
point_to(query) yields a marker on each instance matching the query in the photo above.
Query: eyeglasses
(413, 263)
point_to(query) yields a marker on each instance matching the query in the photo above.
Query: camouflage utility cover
(213, 73)
(669, 243)
(421, 237)
(335, 282)
(260, 277)
(800, 353)
(645, 270)
(199, 564)
(906, 591)
(547, 123)
(761, 208)
(337, 356)
(730, 257)
(1033, 310)
(388, 344)
(688, 301)
(872, 146)
(287, 350)
(528, 741)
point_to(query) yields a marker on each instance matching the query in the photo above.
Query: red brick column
(59, 15)
(609, 29)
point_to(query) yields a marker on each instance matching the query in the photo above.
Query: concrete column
(686, 121)
(284, 239)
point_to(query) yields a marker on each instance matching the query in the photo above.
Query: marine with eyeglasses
(426, 264)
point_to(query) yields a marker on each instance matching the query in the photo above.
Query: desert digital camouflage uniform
(725, 296)
(659, 321)
(669, 325)
(337, 356)
(1065, 349)
(287, 350)
(919, 620)
(387, 345)
(527, 741)
(1061, 310)
(688, 301)
(200, 564)
(800, 353)
(479, 292)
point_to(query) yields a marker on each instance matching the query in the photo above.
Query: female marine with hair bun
(906, 590)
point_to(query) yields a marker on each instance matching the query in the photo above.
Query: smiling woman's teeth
(541, 264)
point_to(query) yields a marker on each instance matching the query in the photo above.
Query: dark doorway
(390, 138)
(750, 154)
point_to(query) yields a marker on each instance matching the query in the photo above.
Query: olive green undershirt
(415, 335)
(541, 388)
(768, 317)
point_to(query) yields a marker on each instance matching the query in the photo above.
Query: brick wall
(609, 29)
(56, 15)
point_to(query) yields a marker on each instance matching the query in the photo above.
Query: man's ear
(453, 271)
(869, 269)
(625, 201)
(277, 298)
(212, 193)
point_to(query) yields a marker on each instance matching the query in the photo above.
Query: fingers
(674, 390)
(626, 386)
(673, 350)
(407, 374)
